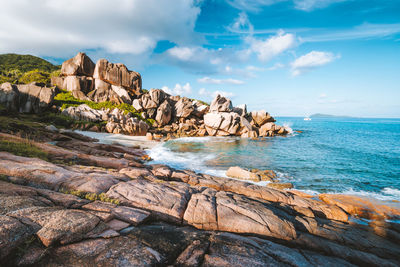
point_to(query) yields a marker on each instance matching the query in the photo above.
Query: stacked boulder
(176, 115)
(223, 119)
(103, 81)
(26, 98)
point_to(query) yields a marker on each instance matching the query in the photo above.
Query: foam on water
(351, 156)
(185, 160)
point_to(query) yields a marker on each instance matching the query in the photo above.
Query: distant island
(321, 115)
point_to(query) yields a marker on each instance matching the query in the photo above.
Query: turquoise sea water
(341, 155)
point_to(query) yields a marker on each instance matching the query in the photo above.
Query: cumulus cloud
(219, 81)
(272, 46)
(310, 61)
(62, 27)
(182, 90)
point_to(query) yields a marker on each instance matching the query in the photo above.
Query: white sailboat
(307, 118)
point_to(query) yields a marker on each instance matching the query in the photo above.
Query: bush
(35, 76)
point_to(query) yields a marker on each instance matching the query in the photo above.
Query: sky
(288, 57)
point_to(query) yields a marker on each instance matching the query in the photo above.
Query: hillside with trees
(19, 69)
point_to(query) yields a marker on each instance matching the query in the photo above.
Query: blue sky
(289, 57)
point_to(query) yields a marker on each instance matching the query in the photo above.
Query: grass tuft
(90, 196)
(24, 149)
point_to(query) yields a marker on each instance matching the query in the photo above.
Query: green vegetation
(26, 69)
(65, 100)
(25, 148)
(35, 76)
(90, 196)
(31, 125)
(25, 63)
(3, 177)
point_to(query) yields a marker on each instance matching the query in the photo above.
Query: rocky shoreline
(67, 200)
(91, 203)
(112, 96)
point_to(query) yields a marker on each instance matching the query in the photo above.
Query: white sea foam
(204, 139)
(386, 194)
(391, 191)
(180, 160)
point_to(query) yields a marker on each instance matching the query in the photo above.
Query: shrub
(35, 76)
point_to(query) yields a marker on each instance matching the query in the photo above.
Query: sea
(359, 156)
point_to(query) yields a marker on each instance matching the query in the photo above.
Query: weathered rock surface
(80, 65)
(281, 228)
(364, 207)
(261, 117)
(119, 251)
(119, 123)
(164, 114)
(237, 172)
(26, 98)
(164, 200)
(212, 210)
(184, 108)
(222, 124)
(118, 74)
(221, 104)
(50, 176)
(12, 234)
(85, 113)
(127, 214)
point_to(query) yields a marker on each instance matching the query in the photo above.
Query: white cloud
(62, 27)
(208, 94)
(241, 24)
(311, 61)
(252, 5)
(182, 90)
(272, 46)
(309, 5)
(223, 93)
(276, 66)
(196, 58)
(363, 31)
(219, 81)
(257, 5)
(323, 95)
(184, 53)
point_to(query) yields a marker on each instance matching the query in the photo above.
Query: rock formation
(103, 81)
(224, 120)
(26, 98)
